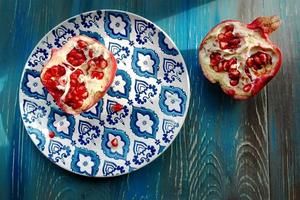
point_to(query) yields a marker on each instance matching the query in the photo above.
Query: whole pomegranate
(240, 56)
(79, 74)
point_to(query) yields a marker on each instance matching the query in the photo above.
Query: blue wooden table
(226, 149)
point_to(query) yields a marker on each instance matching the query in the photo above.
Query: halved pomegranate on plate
(240, 56)
(79, 74)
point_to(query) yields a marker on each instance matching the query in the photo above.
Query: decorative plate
(151, 83)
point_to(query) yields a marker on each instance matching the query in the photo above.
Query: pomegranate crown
(267, 24)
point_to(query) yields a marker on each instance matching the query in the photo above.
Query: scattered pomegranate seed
(114, 142)
(51, 134)
(117, 107)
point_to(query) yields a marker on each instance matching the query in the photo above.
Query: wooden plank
(283, 111)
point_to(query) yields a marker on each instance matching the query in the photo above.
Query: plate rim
(186, 74)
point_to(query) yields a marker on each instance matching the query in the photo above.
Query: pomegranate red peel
(79, 74)
(240, 56)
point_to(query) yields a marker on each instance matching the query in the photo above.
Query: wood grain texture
(226, 149)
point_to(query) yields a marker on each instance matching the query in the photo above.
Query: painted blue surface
(225, 148)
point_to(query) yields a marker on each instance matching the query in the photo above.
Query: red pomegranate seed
(97, 75)
(51, 134)
(232, 67)
(76, 57)
(73, 81)
(51, 83)
(234, 82)
(257, 60)
(223, 45)
(117, 107)
(81, 88)
(230, 92)
(85, 95)
(80, 57)
(256, 67)
(76, 97)
(69, 96)
(103, 64)
(81, 44)
(249, 62)
(263, 58)
(100, 62)
(228, 35)
(228, 40)
(91, 63)
(234, 41)
(215, 58)
(226, 65)
(77, 104)
(234, 74)
(75, 62)
(61, 71)
(47, 75)
(81, 60)
(229, 28)
(73, 52)
(221, 37)
(82, 92)
(54, 70)
(76, 74)
(216, 68)
(56, 93)
(91, 53)
(114, 142)
(247, 72)
(247, 88)
(232, 61)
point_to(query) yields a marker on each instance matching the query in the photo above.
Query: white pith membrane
(94, 86)
(251, 43)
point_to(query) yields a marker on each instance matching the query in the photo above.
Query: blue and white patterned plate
(151, 82)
